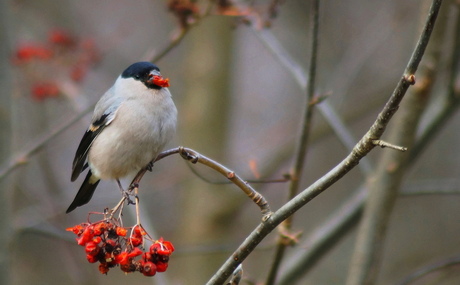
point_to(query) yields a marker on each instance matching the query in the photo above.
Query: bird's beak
(156, 78)
(154, 73)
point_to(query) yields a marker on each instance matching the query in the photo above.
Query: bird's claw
(149, 166)
(188, 156)
(126, 195)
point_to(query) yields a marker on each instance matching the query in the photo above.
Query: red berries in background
(111, 245)
(27, 52)
(62, 38)
(60, 53)
(42, 90)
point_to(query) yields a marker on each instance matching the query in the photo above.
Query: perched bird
(131, 124)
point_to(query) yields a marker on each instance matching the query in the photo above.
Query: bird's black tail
(84, 194)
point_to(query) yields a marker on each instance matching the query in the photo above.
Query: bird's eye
(137, 76)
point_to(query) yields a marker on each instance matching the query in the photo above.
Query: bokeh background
(238, 105)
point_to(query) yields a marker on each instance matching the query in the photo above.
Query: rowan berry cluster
(62, 53)
(110, 245)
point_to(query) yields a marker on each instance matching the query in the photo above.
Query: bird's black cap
(140, 71)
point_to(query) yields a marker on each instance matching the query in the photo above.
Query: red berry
(130, 267)
(30, 51)
(78, 72)
(122, 258)
(103, 268)
(60, 37)
(160, 81)
(43, 90)
(92, 258)
(135, 252)
(86, 236)
(121, 231)
(136, 240)
(149, 269)
(97, 239)
(161, 266)
(92, 248)
(138, 231)
(147, 256)
(99, 229)
(78, 229)
(162, 247)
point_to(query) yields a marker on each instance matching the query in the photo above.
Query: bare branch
(195, 157)
(450, 104)
(362, 148)
(430, 269)
(182, 33)
(39, 143)
(327, 111)
(385, 183)
(325, 236)
(301, 152)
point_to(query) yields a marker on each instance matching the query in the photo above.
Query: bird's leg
(139, 175)
(125, 193)
(149, 166)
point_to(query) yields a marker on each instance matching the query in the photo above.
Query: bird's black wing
(85, 193)
(79, 162)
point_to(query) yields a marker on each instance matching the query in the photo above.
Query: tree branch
(429, 269)
(325, 236)
(182, 33)
(195, 157)
(362, 148)
(39, 143)
(384, 185)
(301, 152)
(327, 111)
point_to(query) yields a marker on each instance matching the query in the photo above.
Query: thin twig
(327, 111)
(324, 237)
(172, 44)
(450, 103)
(301, 152)
(362, 148)
(440, 265)
(24, 156)
(384, 144)
(195, 157)
(385, 183)
(252, 181)
(182, 33)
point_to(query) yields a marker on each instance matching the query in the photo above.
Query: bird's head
(146, 73)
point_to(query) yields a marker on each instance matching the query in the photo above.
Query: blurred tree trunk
(204, 128)
(5, 142)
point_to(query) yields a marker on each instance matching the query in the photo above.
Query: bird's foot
(127, 195)
(149, 166)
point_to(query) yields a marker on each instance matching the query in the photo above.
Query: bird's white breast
(143, 124)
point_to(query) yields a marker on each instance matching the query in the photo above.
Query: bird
(131, 124)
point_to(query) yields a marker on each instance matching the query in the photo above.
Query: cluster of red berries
(109, 244)
(66, 52)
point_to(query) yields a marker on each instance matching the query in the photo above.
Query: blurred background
(239, 105)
